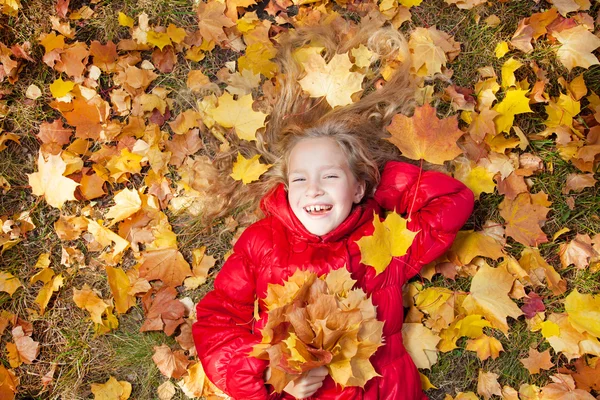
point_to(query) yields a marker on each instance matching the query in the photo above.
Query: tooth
(318, 208)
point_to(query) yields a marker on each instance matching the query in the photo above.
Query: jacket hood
(275, 203)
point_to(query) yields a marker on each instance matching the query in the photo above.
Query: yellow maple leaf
(561, 112)
(106, 237)
(52, 41)
(515, 102)
(584, 312)
(489, 296)
(477, 178)
(111, 390)
(248, 170)
(120, 287)
(258, 58)
(192, 385)
(158, 39)
(332, 80)
(577, 46)
(472, 326)
(485, 347)
(50, 182)
(175, 33)
(9, 283)
(60, 88)
(390, 239)
(362, 56)
(88, 300)
(201, 264)
(501, 49)
(127, 203)
(10, 7)
(124, 20)
(508, 72)
(239, 115)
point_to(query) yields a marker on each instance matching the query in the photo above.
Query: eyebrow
(297, 171)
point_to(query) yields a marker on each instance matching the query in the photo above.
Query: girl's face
(322, 188)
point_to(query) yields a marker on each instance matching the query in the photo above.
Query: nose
(314, 189)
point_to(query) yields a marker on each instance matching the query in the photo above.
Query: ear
(360, 191)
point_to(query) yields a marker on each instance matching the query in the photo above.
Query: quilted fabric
(270, 250)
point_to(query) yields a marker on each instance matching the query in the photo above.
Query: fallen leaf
(587, 377)
(425, 137)
(487, 384)
(127, 203)
(50, 183)
(201, 264)
(26, 349)
(172, 364)
(248, 170)
(577, 182)
(111, 390)
(577, 46)
(420, 343)
(523, 219)
(485, 347)
(584, 312)
(87, 299)
(579, 252)
(391, 238)
(9, 283)
(120, 287)
(166, 390)
(515, 102)
(238, 114)
(166, 264)
(8, 383)
(332, 80)
(537, 361)
(163, 311)
(489, 296)
(563, 388)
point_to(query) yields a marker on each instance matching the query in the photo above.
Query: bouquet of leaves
(315, 321)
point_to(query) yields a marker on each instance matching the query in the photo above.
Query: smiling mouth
(318, 209)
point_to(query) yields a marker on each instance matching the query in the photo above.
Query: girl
(334, 173)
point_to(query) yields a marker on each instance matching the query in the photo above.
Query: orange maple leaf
(425, 137)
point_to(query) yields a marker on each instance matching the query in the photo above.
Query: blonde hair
(358, 128)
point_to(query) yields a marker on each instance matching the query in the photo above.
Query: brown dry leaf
(212, 20)
(537, 361)
(186, 338)
(48, 378)
(577, 182)
(54, 136)
(563, 388)
(487, 384)
(23, 350)
(105, 56)
(163, 311)
(485, 347)
(88, 117)
(524, 217)
(184, 145)
(425, 137)
(579, 252)
(489, 296)
(172, 364)
(166, 264)
(587, 377)
(111, 390)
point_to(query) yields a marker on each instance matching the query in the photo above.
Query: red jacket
(270, 250)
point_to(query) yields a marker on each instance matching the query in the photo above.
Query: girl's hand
(306, 385)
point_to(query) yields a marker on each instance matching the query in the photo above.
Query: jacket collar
(276, 204)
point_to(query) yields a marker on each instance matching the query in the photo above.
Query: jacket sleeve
(436, 205)
(223, 333)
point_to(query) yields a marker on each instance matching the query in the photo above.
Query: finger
(321, 371)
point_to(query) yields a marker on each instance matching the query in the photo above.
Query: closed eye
(297, 179)
(331, 176)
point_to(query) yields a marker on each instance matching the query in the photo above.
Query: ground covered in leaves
(115, 117)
